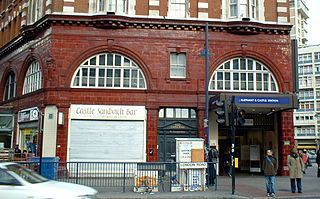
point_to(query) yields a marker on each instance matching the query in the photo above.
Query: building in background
(120, 80)
(298, 18)
(307, 117)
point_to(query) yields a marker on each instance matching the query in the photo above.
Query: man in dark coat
(213, 158)
(270, 168)
(227, 162)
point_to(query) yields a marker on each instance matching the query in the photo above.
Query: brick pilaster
(152, 134)
(286, 134)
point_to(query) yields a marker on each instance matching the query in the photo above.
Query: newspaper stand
(191, 168)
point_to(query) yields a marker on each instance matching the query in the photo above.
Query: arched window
(243, 75)
(109, 70)
(33, 79)
(10, 88)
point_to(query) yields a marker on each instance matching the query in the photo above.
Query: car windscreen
(26, 174)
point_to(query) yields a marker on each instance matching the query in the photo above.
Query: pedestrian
(270, 168)
(318, 161)
(17, 151)
(227, 162)
(296, 170)
(304, 157)
(213, 160)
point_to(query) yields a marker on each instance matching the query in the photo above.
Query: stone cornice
(121, 22)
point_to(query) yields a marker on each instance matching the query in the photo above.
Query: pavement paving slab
(247, 186)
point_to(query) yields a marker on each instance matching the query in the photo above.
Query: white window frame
(316, 55)
(116, 6)
(35, 10)
(174, 12)
(245, 74)
(33, 78)
(233, 5)
(10, 87)
(109, 71)
(305, 57)
(317, 68)
(239, 9)
(178, 65)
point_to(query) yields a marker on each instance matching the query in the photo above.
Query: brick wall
(69, 44)
(17, 14)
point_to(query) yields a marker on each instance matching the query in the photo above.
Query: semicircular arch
(125, 54)
(257, 57)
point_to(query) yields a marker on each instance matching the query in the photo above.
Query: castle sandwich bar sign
(107, 112)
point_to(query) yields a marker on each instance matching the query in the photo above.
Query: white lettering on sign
(30, 114)
(106, 112)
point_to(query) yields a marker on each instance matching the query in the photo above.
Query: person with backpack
(270, 168)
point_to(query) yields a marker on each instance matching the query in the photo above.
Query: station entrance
(250, 145)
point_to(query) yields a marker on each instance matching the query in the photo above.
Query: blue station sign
(262, 100)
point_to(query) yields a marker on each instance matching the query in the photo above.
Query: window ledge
(188, 80)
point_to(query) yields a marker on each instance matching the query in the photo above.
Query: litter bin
(49, 167)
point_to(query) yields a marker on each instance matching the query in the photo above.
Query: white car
(17, 182)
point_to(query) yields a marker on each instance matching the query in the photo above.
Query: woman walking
(296, 170)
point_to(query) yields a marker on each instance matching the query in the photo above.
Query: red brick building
(122, 88)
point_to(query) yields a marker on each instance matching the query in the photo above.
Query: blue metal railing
(123, 176)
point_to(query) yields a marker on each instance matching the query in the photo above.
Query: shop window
(243, 75)
(109, 70)
(33, 78)
(10, 88)
(177, 113)
(178, 8)
(29, 140)
(116, 6)
(177, 65)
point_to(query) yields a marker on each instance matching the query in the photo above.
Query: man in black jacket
(270, 167)
(213, 158)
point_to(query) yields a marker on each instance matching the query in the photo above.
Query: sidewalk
(246, 187)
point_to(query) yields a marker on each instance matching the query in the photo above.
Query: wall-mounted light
(60, 118)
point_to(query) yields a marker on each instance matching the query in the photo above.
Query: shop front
(28, 121)
(107, 133)
(260, 131)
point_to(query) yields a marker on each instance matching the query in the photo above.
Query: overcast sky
(313, 22)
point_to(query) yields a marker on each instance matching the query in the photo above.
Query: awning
(262, 103)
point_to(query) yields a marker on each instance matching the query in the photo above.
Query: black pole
(233, 132)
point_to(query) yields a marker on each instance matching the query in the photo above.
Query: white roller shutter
(92, 140)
